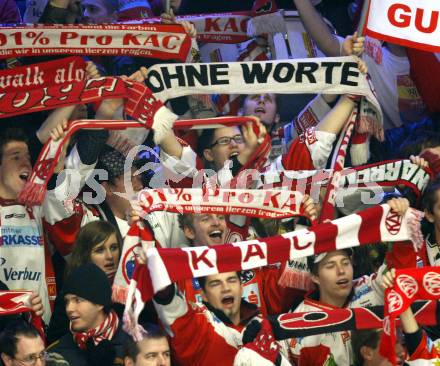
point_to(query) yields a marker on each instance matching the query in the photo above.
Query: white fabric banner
(331, 75)
(411, 23)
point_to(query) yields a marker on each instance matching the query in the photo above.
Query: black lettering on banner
(306, 69)
(347, 71)
(154, 81)
(278, 71)
(197, 72)
(254, 72)
(179, 75)
(215, 70)
(329, 66)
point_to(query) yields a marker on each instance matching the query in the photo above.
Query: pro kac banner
(411, 23)
(263, 203)
(162, 41)
(41, 75)
(214, 28)
(336, 75)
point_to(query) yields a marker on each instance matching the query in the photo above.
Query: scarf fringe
(413, 220)
(32, 193)
(119, 294)
(294, 278)
(368, 124)
(268, 23)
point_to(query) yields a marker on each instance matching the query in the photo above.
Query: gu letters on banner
(411, 23)
(336, 75)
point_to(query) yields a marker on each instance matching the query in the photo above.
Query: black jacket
(67, 348)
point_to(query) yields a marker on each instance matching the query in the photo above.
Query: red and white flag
(17, 302)
(411, 23)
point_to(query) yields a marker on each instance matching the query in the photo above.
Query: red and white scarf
(266, 19)
(43, 74)
(86, 91)
(34, 190)
(234, 27)
(389, 173)
(149, 113)
(162, 41)
(376, 224)
(17, 302)
(230, 103)
(263, 203)
(106, 330)
(410, 285)
(338, 161)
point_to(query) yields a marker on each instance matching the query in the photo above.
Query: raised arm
(317, 28)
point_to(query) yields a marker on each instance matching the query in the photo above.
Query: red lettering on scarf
(231, 24)
(393, 222)
(290, 203)
(254, 250)
(211, 24)
(273, 198)
(195, 259)
(299, 247)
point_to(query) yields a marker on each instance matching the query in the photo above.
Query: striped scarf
(106, 330)
(410, 284)
(150, 113)
(166, 266)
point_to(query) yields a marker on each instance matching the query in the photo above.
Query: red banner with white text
(58, 72)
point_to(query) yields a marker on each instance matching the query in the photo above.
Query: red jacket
(201, 335)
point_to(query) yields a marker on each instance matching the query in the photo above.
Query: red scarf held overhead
(410, 285)
(140, 102)
(106, 330)
(263, 203)
(142, 106)
(17, 302)
(338, 161)
(162, 41)
(44, 74)
(374, 225)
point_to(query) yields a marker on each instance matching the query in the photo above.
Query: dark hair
(277, 99)
(359, 338)
(11, 134)
(89, 236)
(205, 141)
(131, 348)
(186, 220)
(202, 280)
(429, 196)
(314, 267)
(10, 336)
(417, 142)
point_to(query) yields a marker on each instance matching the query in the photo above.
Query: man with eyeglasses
(21, 344)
